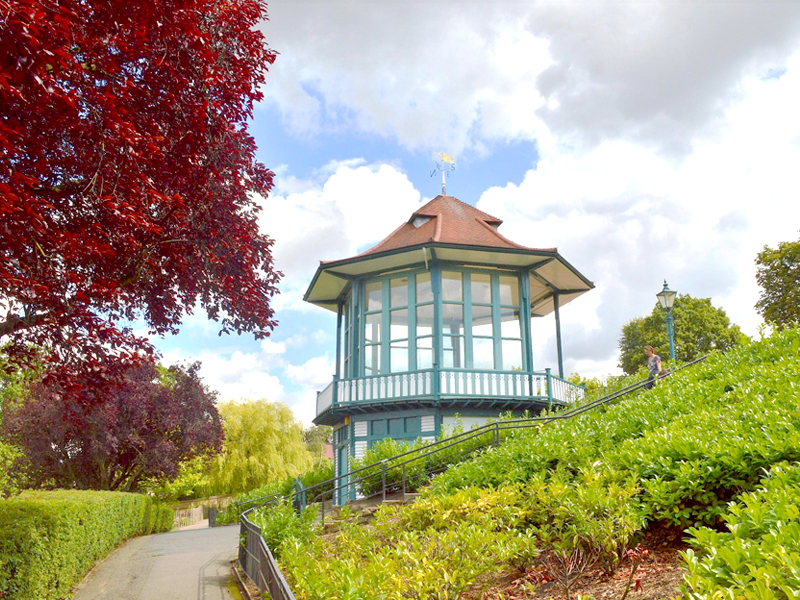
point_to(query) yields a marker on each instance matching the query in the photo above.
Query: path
(192, 564)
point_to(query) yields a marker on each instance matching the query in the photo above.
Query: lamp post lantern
(666, 298)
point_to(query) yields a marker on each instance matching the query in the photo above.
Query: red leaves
(140, 424)
(126, 169)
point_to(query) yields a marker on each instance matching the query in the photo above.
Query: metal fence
(258, 563)
(397, 475)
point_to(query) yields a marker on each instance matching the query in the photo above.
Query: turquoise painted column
(556, 302)
(436, 287)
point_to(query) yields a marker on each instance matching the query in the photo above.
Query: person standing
(653, 366)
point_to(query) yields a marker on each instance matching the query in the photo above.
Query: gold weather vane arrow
(444, 158)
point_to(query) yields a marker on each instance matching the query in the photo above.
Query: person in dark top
(653, 366)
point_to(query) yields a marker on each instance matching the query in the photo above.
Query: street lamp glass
(666, 297)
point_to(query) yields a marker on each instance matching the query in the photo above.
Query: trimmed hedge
(49, 540)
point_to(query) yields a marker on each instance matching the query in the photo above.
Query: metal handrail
(438, 446)
(257, 561)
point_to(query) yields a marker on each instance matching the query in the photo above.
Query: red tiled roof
(447, 220)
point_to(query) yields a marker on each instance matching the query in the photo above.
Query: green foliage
(317, 437)
(14, 384)
(693, 442)
(574, 493)
(192, 482)
(49, 540)
(778, 274)
(281, 522)
(699, 329)
(263, 442)
(426, 563)
(421, 462)
(759, 556)
(321, 473)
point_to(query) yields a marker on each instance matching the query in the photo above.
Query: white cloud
(456, 75)
(315, 373)
(629, 217)
(238, 374)
(432, 75)
(354, 207)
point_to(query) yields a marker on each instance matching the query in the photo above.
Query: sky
(646, 140)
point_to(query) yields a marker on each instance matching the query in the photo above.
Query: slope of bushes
(49, 540)
(575, 493)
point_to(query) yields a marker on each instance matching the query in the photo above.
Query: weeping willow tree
(263, 442)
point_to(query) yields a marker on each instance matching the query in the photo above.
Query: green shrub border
(50, 540)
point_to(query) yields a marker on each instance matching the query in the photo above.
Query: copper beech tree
(126, 175)
(141, 427)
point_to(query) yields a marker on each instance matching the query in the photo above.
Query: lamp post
(666, 298)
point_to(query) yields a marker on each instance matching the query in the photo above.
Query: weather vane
(445, 164)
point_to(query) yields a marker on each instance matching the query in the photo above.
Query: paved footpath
(193, 564)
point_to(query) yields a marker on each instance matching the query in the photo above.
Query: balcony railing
(449, 384)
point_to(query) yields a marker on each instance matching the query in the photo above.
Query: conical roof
(447, 220)
(447, 229)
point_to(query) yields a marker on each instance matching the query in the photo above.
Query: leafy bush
(321, 473)
(759, 555)
(426, 563)
(49, 540)
(281, 521)
(702, 437)
(576, 491)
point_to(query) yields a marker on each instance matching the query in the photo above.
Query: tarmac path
(193, 564)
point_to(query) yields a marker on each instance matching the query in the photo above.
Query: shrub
(281, 522)
(321, 473)
(49, 540)
(759, 555)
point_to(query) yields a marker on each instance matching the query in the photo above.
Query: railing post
(404, 482)
(335, 395)
(383, 481)
(496, 434)
(549, 385)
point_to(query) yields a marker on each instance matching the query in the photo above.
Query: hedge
(50, 540)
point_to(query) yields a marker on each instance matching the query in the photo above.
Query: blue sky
(646, 140)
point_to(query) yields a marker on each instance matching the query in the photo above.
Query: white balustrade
(325, 398)
(452, 383)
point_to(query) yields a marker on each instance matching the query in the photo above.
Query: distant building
(434, 322)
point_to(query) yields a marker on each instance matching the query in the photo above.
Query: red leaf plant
(142, 427)
(127, 175)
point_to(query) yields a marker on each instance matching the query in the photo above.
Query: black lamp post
(666, 298)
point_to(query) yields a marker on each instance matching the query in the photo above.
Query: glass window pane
(425, 320)
(453, 318)
(512, 355)
(399, 357)
(374, 295)
(372, 359)
(424, 358)
(483, 353)
(451, 286)
(399, 324)
(481, 287)
(509, 290)
(424, 290)
(453, 351)
(372, 328)
(399, 291)
(482, 321)
(509, 326)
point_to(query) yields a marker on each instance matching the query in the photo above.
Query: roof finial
(442, 165)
